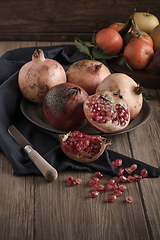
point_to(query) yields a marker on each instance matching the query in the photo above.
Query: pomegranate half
(82, 147)
(107, 111)
(36, 77)
(88, 74)
(63, 106)
(129, 89)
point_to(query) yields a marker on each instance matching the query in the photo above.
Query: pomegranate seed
(94, 194)
(116, 179)
(78, 180)
(121, 171)
(123, 178)
(111, 181)
(109, 187)
(99, 187)
(133, 167)
(117, 193)
(115, 186)
(137, 177)
(118, 162)
(72, 183)
(91, 183)
(130, 178)
(114, 164)
(70, 178)
(129, 199)
(95, 179)
(98, 175)
(128, 170)
(122, 187)
(111, 198)
(144, 173)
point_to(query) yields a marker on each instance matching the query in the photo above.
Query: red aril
(88, 74)
(99, 175)
(63, 106)
(130, 179)
(109, 187)
(129, 199)
(91, 183)
(78, 180)
(120, 172)
(94, 194)
(70, 178)
(137, 177)
(107, 112)
(118, 193)
(83, 147)
(122, 187)
(111, 198)
(123, 178)
(144, 173)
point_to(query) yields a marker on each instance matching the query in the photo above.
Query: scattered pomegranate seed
(133, 167)
(128, 170)
(144, 173)
(95, 179)
(98, 175)
(137, 177)
(118, 193)
(114, 164)
(115, 186)
(129, 199)
(121, 171)
(94, 194)
(78, 180)
(109, 187)
(99, 187)
(91, 183)
(116, 179)
(72, 183)
(123, 178)
(130, 179)
(118, 162)
(122, 187)
(111, 181)
(111, 198)
(70, 178)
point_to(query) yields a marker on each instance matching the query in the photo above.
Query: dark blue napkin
(44, 141)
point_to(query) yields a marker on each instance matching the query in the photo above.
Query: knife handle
(45, 168)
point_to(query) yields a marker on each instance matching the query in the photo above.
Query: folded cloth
(44, 141)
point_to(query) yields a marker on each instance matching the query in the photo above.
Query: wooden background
(52, 20)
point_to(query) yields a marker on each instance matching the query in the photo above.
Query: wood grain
(48, 21)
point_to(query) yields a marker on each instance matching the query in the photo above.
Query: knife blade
(45, 168)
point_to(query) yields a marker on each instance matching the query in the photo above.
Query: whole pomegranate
(39, 75)
(82, 147)
(88, 74)
(129, 90)
(63, 106)
(107, 111)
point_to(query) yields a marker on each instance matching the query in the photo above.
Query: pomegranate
(63, 106)
(82, 147)
(88, 74)
(107, 112)
(129, 89)
(39, 75)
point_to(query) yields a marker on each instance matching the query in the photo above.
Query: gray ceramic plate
(34, 113)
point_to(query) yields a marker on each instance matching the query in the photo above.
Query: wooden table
(31, 208)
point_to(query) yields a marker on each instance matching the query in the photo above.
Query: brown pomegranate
(82, 147)
(129, 89)
(39, 75)
(63, 106)
(107, 112)
(88, 74)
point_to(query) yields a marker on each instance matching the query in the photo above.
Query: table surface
(32, 208)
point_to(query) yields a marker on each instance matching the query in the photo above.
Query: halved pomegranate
(107, 111)
(82, 147)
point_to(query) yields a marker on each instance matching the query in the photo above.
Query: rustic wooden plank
(145, 145)
(49, 21)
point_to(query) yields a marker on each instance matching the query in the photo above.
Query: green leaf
(82, 47)
(99, 55)
(148, 97)
(122, 62)
(126, 27)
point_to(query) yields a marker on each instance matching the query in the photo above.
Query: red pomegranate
(129, 89)
(107, 112)
(82, 147)
(39, 75)
(63, 106)
(88, 74)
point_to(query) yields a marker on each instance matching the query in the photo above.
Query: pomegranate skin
(38, 76)
(63, 106)
(82, 147)
(107, 112)
(88, 74)
(129, 89)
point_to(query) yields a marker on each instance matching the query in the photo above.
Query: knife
(45, 168)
